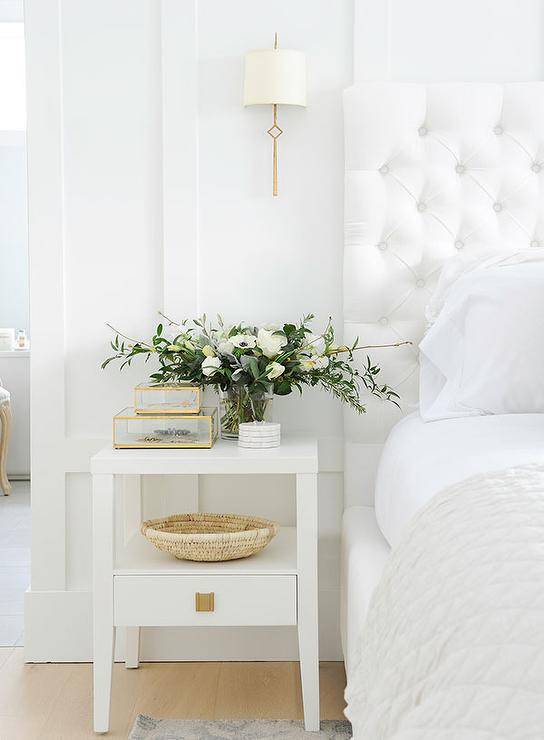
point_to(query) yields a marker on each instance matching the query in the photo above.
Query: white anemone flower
(244, 341)
(274, 370)
(210, 366)
(270, 343)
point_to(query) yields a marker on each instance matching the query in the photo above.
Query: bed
(441, 453)
(431, 171)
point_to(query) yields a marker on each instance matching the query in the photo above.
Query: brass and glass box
(136, 431)
(167, 398)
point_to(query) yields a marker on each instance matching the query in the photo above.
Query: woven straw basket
(210, 537)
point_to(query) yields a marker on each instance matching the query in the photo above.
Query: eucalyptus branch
(130, 339)
(344, 348)
(257, 361)
(171, 322)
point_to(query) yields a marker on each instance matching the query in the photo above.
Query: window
(12, 77)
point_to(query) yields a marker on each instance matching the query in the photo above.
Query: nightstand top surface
(294, 455)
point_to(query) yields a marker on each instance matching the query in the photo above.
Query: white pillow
(484, 351)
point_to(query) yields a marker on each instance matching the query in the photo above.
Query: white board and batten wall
(150, 188)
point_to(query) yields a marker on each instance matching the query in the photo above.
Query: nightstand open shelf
(135, 585)
(141, 557)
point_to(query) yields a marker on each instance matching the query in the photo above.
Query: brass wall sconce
(275, 77)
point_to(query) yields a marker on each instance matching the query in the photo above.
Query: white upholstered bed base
(431, 171)
(419, 460)
(363, 557)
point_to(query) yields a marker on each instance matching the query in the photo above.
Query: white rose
(210, 366)
(208, 350)
(270, 343)
(274, 370)
(225, 348)
(244, 341)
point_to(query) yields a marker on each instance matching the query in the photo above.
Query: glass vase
(237, 406)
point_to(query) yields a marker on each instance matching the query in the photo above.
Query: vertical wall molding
(179, 45)
(46, 247)
(371, 40)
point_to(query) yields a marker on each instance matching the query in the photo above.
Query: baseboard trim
(58, 626)
(58, 629)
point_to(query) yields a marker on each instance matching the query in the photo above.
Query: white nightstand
(139, 586)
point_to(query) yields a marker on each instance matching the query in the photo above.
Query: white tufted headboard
(430, 170)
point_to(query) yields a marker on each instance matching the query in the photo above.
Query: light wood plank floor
(53, 701)
(14, 561)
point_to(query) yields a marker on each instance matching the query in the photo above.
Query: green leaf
(283, 388)
(254, 367)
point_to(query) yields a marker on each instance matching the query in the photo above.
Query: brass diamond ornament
(275, 131)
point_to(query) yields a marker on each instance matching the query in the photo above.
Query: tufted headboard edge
(432, 171)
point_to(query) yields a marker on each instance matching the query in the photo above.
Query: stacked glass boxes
(165, 416)
(168, 398)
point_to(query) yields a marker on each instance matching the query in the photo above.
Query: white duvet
(453, 645)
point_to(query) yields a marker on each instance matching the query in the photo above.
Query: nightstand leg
(308, 597)
(132, 649)
(103, 629)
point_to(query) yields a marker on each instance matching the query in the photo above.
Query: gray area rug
(147, 728)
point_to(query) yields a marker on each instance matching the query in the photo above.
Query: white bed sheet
(364, 553)
(420, 458)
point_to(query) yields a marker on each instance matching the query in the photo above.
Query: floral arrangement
(248, 364)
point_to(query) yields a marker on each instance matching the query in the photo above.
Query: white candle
(259, 434)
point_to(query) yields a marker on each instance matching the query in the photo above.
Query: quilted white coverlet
(453, 646)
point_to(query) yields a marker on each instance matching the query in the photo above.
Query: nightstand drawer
(171, 600)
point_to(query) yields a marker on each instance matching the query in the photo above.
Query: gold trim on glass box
(213, 427)
(165, 386)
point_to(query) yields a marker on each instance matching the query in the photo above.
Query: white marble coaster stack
(259, 434)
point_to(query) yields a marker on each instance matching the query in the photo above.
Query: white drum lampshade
(275, 77)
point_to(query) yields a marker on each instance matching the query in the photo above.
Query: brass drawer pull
(204, 602)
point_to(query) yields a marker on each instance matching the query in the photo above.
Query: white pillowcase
(484, 350)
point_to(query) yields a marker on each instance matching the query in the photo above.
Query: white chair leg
(5, 419)
(132, 650)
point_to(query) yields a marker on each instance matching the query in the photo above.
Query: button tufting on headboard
(461, 161)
